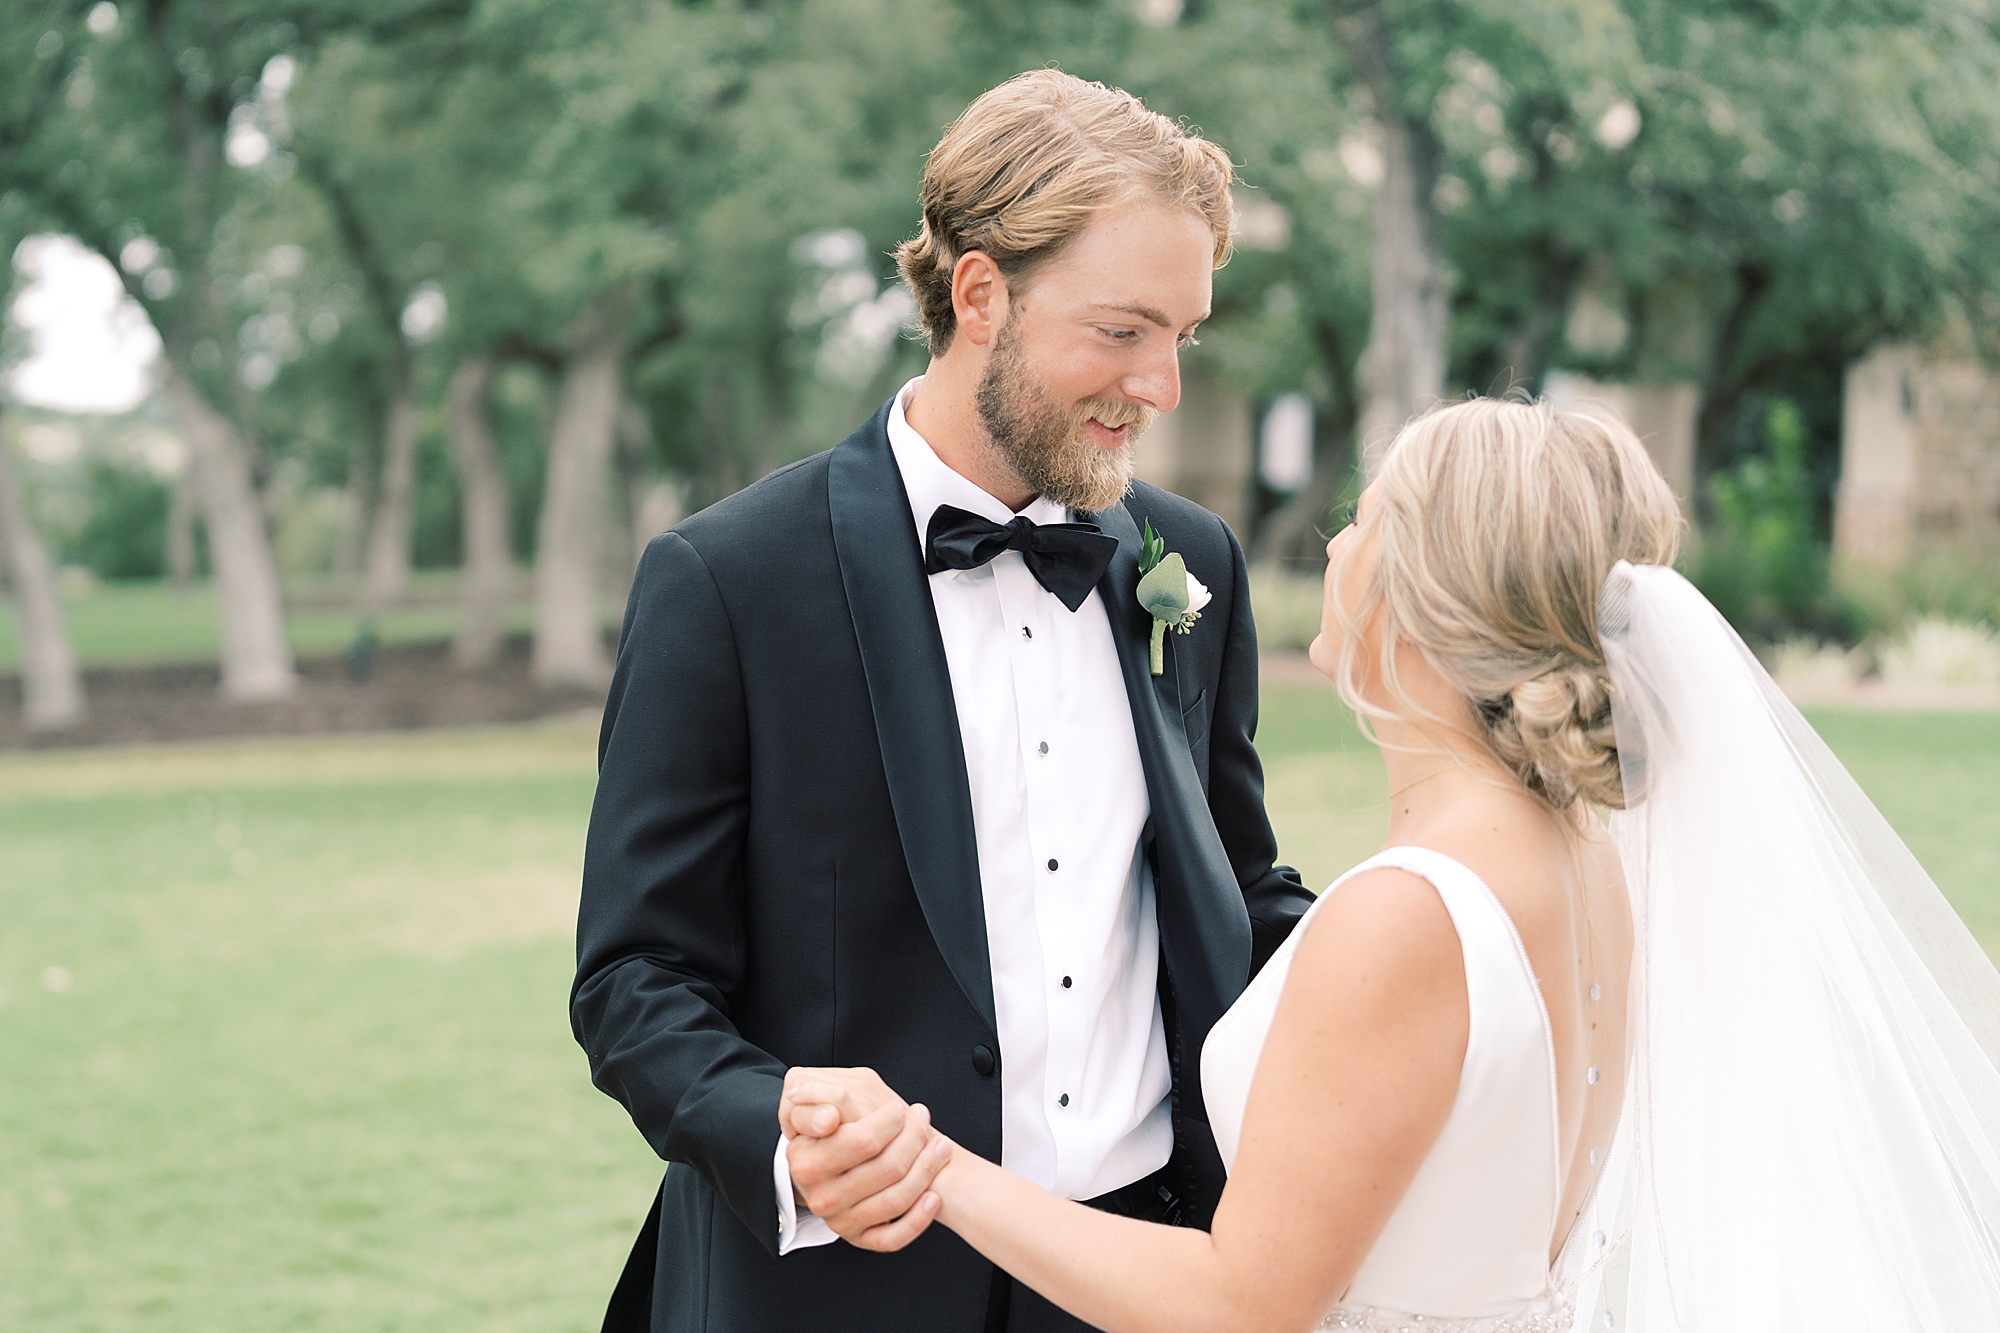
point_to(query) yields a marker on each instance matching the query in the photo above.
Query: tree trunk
(355, 521)
(1294, 537)
(256, 659)
(1526, 348)
(658, 509)
(569, 643)
(1401, 372)
(626, 542)
(388, 578)
(482, 487)
(180, 532)
(51, 687)
(1726, 378)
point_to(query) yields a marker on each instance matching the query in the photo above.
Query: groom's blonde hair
(1499, 522)
(1031, 162)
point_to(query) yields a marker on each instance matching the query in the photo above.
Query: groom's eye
(1188, 340)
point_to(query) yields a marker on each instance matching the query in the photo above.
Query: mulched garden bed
(401, 687)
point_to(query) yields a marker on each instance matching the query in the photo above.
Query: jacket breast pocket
(1194, 721)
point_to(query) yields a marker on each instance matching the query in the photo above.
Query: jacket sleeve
(1273, 893)
(661, 945)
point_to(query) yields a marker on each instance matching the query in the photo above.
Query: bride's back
(1461, 622)
(1564, 892)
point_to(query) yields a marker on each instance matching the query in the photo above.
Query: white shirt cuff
(797, 1229)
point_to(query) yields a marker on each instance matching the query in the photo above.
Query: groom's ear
(979, 297)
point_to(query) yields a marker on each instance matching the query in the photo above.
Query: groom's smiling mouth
(1106, 436)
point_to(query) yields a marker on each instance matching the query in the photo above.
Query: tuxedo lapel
(1204, 929)
(909, 689)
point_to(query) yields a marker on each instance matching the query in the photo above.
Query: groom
(888, 783)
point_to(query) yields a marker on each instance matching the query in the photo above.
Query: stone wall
(1919, 459)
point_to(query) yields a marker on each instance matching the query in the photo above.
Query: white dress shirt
(1058, 804)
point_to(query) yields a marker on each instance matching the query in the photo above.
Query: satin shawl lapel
(909, 687)
(1204, 927)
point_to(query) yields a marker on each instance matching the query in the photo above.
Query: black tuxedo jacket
(781, 871)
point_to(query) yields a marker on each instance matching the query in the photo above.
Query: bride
(1717, 1058)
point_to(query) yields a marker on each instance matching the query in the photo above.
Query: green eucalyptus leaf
(1164, 590)
(1151, 547)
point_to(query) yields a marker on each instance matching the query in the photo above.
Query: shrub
(1808, 662)
(1761, 560)
(1287, 610)
(1943, 652)
(1933, 585)
(125, 535)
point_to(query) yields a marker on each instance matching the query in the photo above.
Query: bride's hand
(862, 1159)
(812, 1117)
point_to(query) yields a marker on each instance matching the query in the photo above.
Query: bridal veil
(1811, 1134)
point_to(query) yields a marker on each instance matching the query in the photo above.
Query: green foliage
(1152, 546)
(125, 535)
(1761, 561)
(1929, 586)
(1746, 195)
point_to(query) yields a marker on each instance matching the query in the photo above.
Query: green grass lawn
(312, 1068)
(306, 1064)
(125, 624)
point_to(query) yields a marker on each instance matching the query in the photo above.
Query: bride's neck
(1432, 748)
(1435, 758)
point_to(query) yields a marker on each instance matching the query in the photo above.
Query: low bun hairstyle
(1554, 732)
(1499, 522)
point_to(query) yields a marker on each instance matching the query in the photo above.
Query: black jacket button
(982, 1061)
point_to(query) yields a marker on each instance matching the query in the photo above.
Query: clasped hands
(861, 1157)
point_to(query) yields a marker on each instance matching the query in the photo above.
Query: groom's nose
(1157, 383)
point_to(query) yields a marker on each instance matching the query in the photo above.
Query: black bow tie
(1065, 558)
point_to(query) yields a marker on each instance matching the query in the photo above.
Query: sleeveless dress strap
(1502, 974)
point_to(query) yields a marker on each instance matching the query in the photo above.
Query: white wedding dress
(1811, 1131)
(1467, 1249)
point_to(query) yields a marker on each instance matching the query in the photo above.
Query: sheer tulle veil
(1811, 1134)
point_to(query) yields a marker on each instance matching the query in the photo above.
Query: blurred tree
(1741, 196)
(51, 686)
(483, 485)
(1267, 82)
(386, 563)
(658, 234)
(1401, 371)
(119, 137)
(124, 534)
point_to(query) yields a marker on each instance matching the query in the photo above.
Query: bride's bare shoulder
(1383, 930)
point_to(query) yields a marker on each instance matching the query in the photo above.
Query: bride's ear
(978, 297)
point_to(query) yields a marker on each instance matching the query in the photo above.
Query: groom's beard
(1042, 441)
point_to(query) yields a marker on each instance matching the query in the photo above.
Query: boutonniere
(1172, 596)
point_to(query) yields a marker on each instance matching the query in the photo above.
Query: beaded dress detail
(1467, 1249)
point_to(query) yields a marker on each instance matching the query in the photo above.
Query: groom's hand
(816, 1102)
(857, 1150)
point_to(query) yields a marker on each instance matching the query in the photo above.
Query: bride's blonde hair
(1499, 521)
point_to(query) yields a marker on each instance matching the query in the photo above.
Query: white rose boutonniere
(1171, 595)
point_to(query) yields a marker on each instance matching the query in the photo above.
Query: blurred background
(355, 348)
